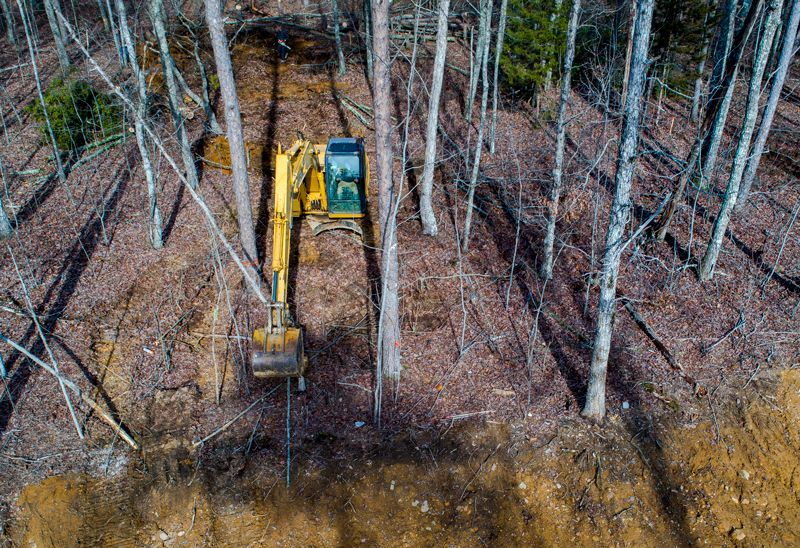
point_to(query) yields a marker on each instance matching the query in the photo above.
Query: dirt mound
(730, 479)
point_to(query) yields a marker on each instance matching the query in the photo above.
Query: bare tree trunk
(498, 53)
(425, 200)
(548, 78)
(484, 28)
(778, 79)
(56, 153)
(157, 15)
(337, 34)
(389, 325)
(368, 35)
(203, 101)
(629, 49)
(8, 16)
(701, 68)
(55, 28)
(546, 271)
(5, 224)
(722, 48)
(712, 116)
(104, 16)
(233, 120)
(595, 406)
(154, 214)
(115, 35)
(709, 261)
(476, 161)
(727, 83)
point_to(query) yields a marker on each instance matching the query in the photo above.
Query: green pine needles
(535, 43)
(78, 114)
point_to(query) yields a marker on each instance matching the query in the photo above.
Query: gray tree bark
(722, 47)
(31, 52)
(5, 224)
(426, 199)
(233, 121)
(157, 16)
(546, 270)
(498, 53)
(595, 406)
(701, 68)
(709, 261)
(368, 35)
(389, 324)
(8, 17)
(712, 116)
(484, 27)
(476, 161)
(778, 79)
(727, 81)
(155, 230)
(337, 34)
(58, 39)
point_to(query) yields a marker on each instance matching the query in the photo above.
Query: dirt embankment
(731, 478)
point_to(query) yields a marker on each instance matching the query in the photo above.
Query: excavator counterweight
(330, 183)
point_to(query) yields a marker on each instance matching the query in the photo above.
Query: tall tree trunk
(714, 105)
(8, 17)
(155, 230)
(104, 16)
(561, 134)
(484, 28)
(158, 17)
(58, 39)
(115, 35)
(709, 261)
(727, 86)
(211, 118)
(722, 47)
(337, 34)
(778, 79)
(629, 50)
(498, 53)
(595, 406)
(5, 224)
(368, 36)
(476, 161)
(548, 78)
(701, 68)
(426, 200)
(56, 152)
(389, 324)
(233, 121)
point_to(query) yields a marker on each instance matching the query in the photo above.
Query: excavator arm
(278, 347)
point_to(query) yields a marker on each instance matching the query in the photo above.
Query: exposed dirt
(631, 483)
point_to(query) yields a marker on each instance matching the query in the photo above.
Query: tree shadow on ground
(58, 295)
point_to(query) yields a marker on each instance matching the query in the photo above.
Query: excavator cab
(346, 176)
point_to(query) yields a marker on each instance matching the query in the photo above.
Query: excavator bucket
(278, 354)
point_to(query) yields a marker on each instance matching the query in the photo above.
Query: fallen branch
(225, 426)
(738, 325)
(644, 326)
(102, 413)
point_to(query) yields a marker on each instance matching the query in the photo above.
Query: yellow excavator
(329, 184)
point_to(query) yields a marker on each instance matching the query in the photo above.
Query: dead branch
(645, 327)
(102, 413)
(225, 426)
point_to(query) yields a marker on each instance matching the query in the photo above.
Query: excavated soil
(733, 479)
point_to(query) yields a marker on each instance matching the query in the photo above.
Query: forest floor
(481, 441)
